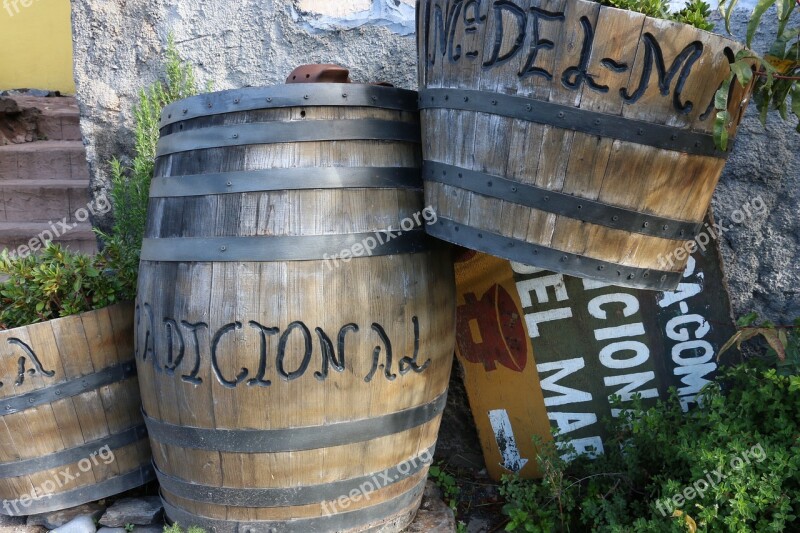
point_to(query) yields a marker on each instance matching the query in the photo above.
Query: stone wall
(119, 44)
(762, 253)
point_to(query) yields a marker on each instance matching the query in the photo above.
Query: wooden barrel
(72, 429)
(571, 136)
(296, 331)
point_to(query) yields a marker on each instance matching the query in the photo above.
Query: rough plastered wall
(119, 46)
(762, 253)
(119, 43)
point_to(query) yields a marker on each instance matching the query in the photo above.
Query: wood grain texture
(253, 334)
(44, 355)
(593, 58)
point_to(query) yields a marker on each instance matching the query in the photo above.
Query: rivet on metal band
(559, 203)
(66, 389)
(72, 455)
(287, 132)
(293, 439)
(291, 496)
(337, 521)
(286, 179)
(283, 248)
(573, 118)
(550, 259)
(282, 96)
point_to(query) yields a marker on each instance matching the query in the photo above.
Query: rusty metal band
(285, 179)
(559, 203)
(66, 389)
(573, 118)
(291, 496)
(359, 520)
(282, 96)
(293, 439)
(73, 498)
(288, 132)
(72, 455)
(550, 259)
(284, 248)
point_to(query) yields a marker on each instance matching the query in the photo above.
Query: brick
(79, 239)
(41, 201)
(71, 129)
(56, 160)
(49, 127)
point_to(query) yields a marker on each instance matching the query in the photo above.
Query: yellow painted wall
(36, 45)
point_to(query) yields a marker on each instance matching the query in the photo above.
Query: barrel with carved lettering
(572, 136)
(295, 323)
(71, 428)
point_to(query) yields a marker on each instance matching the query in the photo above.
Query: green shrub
(54, 282)
(447, 483)
(51, 284)
(746, 429)
(695, 12)
(176, 528)
(130, 186)
(775, 75)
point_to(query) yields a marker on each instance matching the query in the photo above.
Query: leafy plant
(129, 528)
(783, 341)
(447, 483)
(744, 436)
(694, 13)
(130, 186)
(51, 284)
(176, 528)
(55, 282)
(775, 76)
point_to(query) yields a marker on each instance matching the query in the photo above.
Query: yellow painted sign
(493, 345)
(592, 342)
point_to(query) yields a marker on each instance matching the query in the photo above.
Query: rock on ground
(137, 511)
(479, 525)
(57, 519)
(112, 530)
(17, 524)
(81, 524)
(434, 516)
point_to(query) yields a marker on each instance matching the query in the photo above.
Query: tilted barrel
(71, 428)
(572, 136)
(296, 325)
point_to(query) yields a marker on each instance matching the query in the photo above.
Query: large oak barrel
(296, 327)
(572, 136)
(71, 426)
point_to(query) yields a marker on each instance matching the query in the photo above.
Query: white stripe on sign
(504, 435)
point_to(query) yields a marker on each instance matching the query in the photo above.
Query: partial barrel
(72, 429)
(296, 325)
(572, 136)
